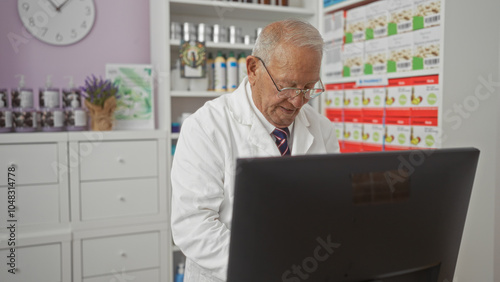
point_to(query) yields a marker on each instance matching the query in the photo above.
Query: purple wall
(120, 35)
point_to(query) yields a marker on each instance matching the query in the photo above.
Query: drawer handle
(121, 160)
(121, 198)
(123, 254)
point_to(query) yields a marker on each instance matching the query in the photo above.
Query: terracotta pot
(101, 118)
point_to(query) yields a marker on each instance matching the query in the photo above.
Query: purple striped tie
(281, 135)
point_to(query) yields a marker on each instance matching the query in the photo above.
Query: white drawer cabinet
(126, 252)
(119, 198)
(119, 159)
(36, 205)
(34, 163)
(41, 263)
(150, 275)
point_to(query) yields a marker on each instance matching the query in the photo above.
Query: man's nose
(298, 101)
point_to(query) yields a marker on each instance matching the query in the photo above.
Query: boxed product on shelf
(332, 61)
(375, 56)
(353, 127)
(397, 133)
(400, 49)
(327, 3)
(426, 96)
(373, 133)
(427, 13)
(400, 16)
(355, 24)
(425, 133)
(374, 101)
(352, 59)
(426, 48)
(334, 27)
(338, 124)
(353, 97)
(333, 101)
(376, 19)
(398, 97)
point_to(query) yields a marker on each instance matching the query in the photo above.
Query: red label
(424, 121)
(425, 80)
(397, 120)
(407, 81)
(373, 120)
(334, 86)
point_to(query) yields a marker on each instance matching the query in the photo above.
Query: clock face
(58, 22)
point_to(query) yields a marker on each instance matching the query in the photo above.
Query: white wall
(471, 54)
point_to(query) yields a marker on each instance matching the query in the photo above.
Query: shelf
(389, 76)
(234, 10)
(346, 4)
(174, 136)
(236, 46)
(196, 94)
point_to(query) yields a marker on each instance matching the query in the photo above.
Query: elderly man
(266, 116)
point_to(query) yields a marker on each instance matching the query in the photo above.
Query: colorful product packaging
(352, 59)
(427, 13)
(400, 16)
(398, 97)
(426, 48)
(373, 101)
(373, 133)
(332, 61)
(353, 100)
(375, 59)
(426, 97)
(400, 48)
(334, 25)
(377, 18)
(425, 133)
(333, 101)
(355, 24)
(397, 133)
(352, 134)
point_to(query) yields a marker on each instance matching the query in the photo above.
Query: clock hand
(60, 6)
(53, 5)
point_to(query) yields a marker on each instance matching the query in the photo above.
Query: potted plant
(100, 98)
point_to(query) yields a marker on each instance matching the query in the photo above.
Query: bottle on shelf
(232, 72)
(5, 112)
(177, 83)
(242, 66)
(75, 117)
(51, 115)
(179, 276)
(220, 73)
(210, 72)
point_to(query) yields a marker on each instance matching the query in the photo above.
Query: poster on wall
(135, 105)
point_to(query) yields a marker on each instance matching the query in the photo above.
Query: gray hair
(296, 32)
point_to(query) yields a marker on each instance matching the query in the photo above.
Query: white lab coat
(203, 172)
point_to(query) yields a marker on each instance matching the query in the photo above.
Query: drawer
(35, 205)
(118, 198)
(150, 275)
(109, 255)
(33, 263)
(118, 159)
(35, 163)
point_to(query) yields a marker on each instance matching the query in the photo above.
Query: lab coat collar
(244, 114)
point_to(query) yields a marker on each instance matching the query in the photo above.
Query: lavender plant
(97, 90)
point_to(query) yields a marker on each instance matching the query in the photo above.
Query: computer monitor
(382, 216)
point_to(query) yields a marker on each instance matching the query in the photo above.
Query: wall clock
(57, 22)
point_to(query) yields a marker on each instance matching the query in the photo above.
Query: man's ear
(252, 69)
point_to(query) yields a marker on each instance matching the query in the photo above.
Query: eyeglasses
(292, 92)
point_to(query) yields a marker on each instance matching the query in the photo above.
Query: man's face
(290, 67)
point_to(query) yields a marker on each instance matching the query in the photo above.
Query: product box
(327, 3)
(353, 100)
(352, 59)
(375, 56)
(332, 65)
(373, 133)
(338, 124)
(398, 97)
(427, 13)
(334, 25)
(400, 48)
(377, 18)
(374, 101)
(352, 134)
(426, 48)
(400, 16)
(333, 101)
(425, 133)
(355, 24)
(426, 97)
(397, 133)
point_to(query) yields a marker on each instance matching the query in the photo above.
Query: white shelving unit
(163, 50)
